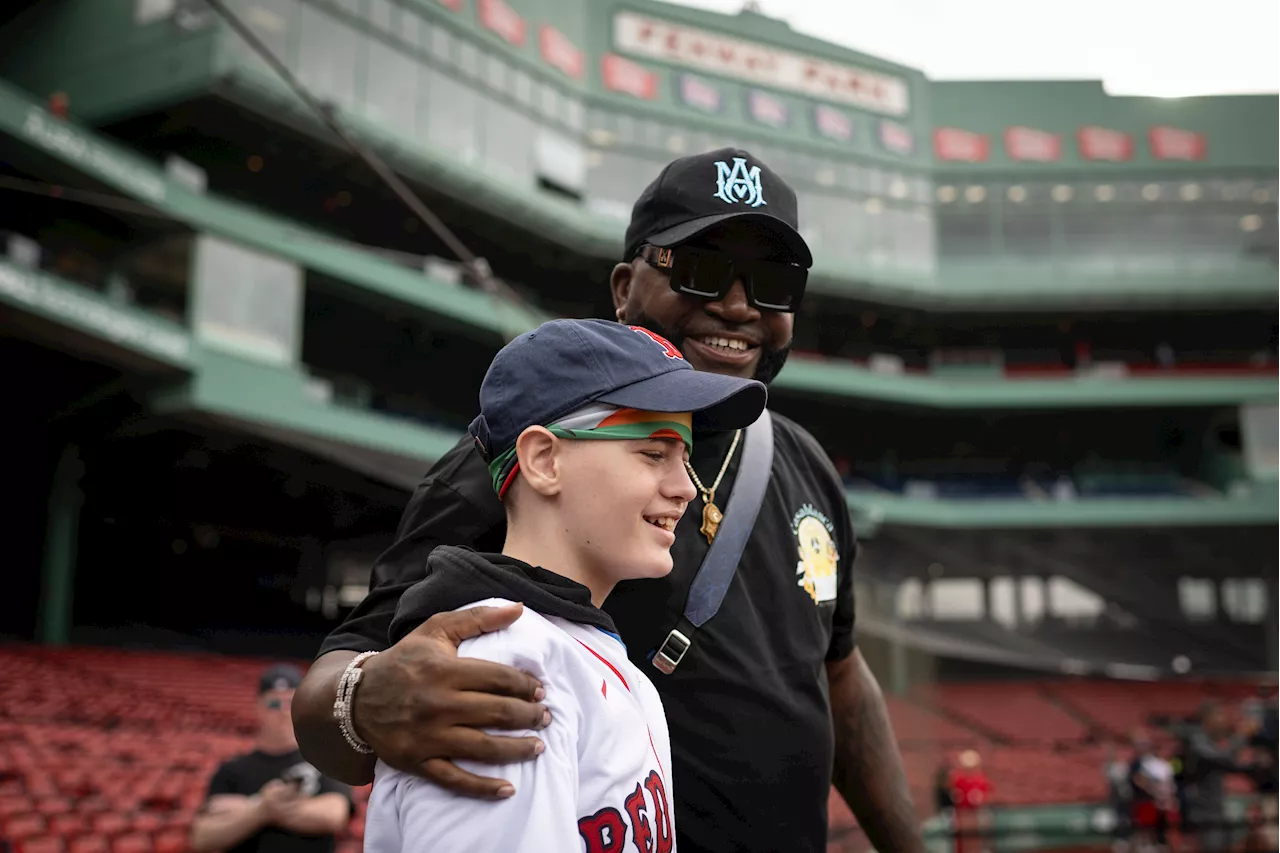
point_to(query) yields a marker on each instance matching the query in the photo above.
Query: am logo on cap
(739, 183)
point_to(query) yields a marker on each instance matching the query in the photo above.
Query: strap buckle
(671, 652)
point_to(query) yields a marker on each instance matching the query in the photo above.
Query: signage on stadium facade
(622, 75)
(895, 138)
(766, 109)
(1171, 143)
(64, 140)
(1028, 143)
(695, 92)
(497, 16)
(83, 309)
(559, 52)
(1102, 143)
(964, 146)
(754, 62)
(832, 123)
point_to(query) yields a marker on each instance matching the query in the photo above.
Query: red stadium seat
(110, 823)
(19, 826)
(89, 844)
(134, 842)
(14, 804)
(148, 823)
(53, 805)
(43, 844)
(171, 841)
(68, 825)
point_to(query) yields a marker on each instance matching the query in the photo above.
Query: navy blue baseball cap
(564, 365)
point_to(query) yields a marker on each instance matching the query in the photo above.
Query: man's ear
(539, 454)
(620, 286)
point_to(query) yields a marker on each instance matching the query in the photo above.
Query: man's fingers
(472, 744)
(448, 776)
(459, 625)
(479, 676)
(479, 710)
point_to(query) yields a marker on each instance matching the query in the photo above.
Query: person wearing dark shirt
(772, 702)
(272, 800)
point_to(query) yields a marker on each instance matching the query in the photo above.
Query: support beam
(58, 565)
(899, 671)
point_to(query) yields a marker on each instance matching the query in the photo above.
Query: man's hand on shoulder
(421, 707)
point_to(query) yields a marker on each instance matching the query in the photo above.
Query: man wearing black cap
(271, 800)
(769, 701)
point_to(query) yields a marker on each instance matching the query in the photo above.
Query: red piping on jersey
(605, 661)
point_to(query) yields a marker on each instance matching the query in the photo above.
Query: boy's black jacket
(460, 576)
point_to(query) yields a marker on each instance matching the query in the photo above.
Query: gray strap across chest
(718, 567)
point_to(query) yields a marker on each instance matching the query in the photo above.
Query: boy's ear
(538, 451)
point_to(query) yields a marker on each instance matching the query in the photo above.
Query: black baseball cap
(563, 365)
(280, 676)
(696, 193)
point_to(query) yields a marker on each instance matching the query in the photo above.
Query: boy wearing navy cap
(585, 426)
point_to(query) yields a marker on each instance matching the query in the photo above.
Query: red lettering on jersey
(604, 831)
(641, 835)
(667, 347)
(661, 812)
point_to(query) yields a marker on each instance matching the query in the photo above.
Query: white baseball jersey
(601, 786)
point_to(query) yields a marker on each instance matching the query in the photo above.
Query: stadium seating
(106, 751)
(110, 751)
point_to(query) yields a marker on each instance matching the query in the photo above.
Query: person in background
(1120, 795)
(271, 800)
(1213, 753)
(971, 792)
(1151, 780)
(943, 798)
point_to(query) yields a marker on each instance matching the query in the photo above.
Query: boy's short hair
(586, 376)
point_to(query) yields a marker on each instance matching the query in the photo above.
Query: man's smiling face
(726, 335)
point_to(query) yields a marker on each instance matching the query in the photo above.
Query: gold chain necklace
(711, 515)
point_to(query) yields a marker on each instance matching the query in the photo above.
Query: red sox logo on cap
(668, 348)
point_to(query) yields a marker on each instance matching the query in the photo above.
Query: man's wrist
(344, 703)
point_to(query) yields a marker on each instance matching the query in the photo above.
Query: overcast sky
(1166, 48)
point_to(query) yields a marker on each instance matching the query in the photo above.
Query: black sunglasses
(706, 273)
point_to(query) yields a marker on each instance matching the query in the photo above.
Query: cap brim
(717, 402)
(789, 238)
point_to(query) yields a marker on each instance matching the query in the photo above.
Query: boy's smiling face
(620, 503)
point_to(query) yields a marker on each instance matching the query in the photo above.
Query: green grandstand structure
(1039, 339)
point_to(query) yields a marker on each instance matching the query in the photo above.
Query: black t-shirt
(246, 774)
(748, 708)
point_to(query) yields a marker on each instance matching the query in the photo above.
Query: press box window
(246, 301)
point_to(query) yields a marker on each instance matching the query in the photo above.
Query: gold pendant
(711, 518)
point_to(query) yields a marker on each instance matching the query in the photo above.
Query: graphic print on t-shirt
(307, 777)
(819, 560)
